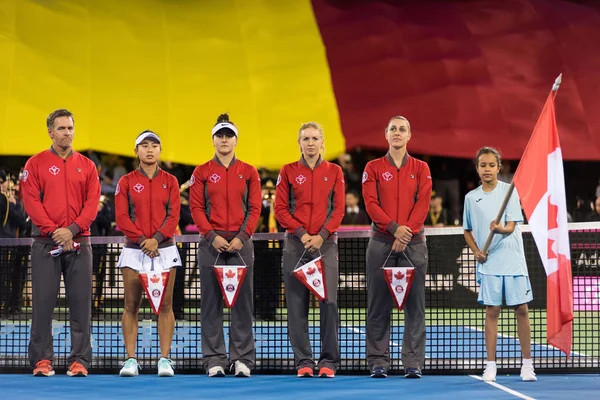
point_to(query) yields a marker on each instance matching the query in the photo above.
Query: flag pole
(511, 188)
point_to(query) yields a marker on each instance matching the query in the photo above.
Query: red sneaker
(43, 368)
(77, 369)
(326, 373)
(305, 372)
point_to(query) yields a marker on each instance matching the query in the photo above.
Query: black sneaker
(379, 372)
(412, 373)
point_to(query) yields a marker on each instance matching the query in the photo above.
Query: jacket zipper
(227, 202)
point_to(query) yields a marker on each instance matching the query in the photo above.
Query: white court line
(547, 346)
(504, 388)
(362, 332)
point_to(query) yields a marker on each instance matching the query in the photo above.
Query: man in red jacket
(309, 204)
(396, 190)
(61, 191)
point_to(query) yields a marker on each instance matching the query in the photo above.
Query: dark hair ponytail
(223, 118)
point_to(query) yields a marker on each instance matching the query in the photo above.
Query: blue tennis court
(27, 387)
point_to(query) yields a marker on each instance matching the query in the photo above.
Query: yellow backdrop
(168, 65)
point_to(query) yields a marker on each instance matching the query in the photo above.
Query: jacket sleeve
(173, 207)
(339, 206)
(32, 189)
(420, 209)
(282, 206)
(122, 217)
(198, 206)
(90, 206)
(372, 204)
(254, 206)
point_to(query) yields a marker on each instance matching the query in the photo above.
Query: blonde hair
(315, 126)
(397, 117)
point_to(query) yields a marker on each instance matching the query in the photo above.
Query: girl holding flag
(225, 201)
(502, 270)
(147, 212)
(309, 204)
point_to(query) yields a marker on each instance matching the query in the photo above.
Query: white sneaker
(241, 370)
(216, 372)
(130, 368)
(528, 374)
(165, 367)
(489, 375)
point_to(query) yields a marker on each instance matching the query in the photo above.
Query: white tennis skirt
(138, 261)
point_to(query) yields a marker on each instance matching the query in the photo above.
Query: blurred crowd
(452, 178)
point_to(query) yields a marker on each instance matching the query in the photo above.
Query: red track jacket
(397, 196)
(310, 200)
(225, 201)
(60, 193)
(147, 207)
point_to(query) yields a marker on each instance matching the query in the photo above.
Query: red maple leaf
(399, 275)
(155, 279)
(230, 274)
(311, 270)
(552, 224)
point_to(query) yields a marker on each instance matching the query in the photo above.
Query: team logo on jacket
(325, 179)
(54, 170)
(214, 178)
(412, 176)
(138, 187)
(192, 180)
(365, 177)
(300, 179)
(387, 176)
(25, 175)
(117, 189)
(240, 176)
(164, 186)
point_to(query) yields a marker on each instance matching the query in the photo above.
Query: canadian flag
(312, 276)
(540, 183)
(230, 279)
(154, 284)
(399, 281)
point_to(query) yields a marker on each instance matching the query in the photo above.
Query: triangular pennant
(312, 276)
(154, 284)
(399, 281)
(230, 279)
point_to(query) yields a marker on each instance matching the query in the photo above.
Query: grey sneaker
(241, 370)
(216, 372)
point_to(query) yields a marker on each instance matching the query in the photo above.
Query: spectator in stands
(267, 273)
(13, 224)
(438, 215)
(397, 191)
(354, 214)
(61, 191)
(594, 215)
(225, 205)
(309, 204)
(102, 226)
(447, 185)
(501, 269)
(147, 212)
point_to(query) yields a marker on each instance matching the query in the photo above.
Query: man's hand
(403, 234)
(235, 245)
(220, 244)
(480, 256)
(68, 246)
(150, 247)
(62, 236)
(305, 238)
(398, 246)
(314, 243)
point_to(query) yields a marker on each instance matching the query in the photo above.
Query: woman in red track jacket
(397, 191)
(147, 211)
(310, 205)
(225, 200)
